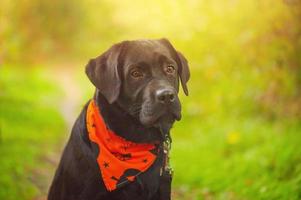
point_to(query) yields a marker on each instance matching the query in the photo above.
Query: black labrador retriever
(137, 83)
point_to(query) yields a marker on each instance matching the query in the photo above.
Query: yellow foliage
(233, 137)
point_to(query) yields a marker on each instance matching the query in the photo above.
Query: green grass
(235, 156)
(31, 127)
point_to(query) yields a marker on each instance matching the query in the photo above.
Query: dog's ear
(184, 72)
(104, 74)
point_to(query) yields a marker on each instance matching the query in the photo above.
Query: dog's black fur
(133, 107)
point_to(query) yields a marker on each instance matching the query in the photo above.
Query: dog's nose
(165, 96)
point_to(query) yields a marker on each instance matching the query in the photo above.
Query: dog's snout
(165, 96)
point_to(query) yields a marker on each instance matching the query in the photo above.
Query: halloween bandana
(119, 160)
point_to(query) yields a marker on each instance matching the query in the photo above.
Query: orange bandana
(119, 161)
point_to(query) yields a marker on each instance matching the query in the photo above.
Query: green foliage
(250, 47)
(30, 128)
(227, 157)
(241, 123)
(30, 30)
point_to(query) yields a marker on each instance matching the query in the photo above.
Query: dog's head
(142, 77)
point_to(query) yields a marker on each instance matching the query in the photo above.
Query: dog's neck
(125, 125)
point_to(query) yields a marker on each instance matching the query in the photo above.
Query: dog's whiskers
(135, 112)
(135, 109)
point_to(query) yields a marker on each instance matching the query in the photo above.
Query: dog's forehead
(145, 51)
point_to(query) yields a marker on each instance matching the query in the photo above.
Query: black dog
(137, 83)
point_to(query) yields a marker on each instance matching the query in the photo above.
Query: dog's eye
(170, 69)
(136, 74)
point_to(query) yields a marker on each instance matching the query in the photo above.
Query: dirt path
(68, 107)
(71, 101)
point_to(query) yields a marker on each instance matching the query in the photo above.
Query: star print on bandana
(106, 165)
(119, 160)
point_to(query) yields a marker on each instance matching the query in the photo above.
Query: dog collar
(119, 160)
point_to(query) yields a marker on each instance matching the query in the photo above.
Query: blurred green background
(240, 136)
